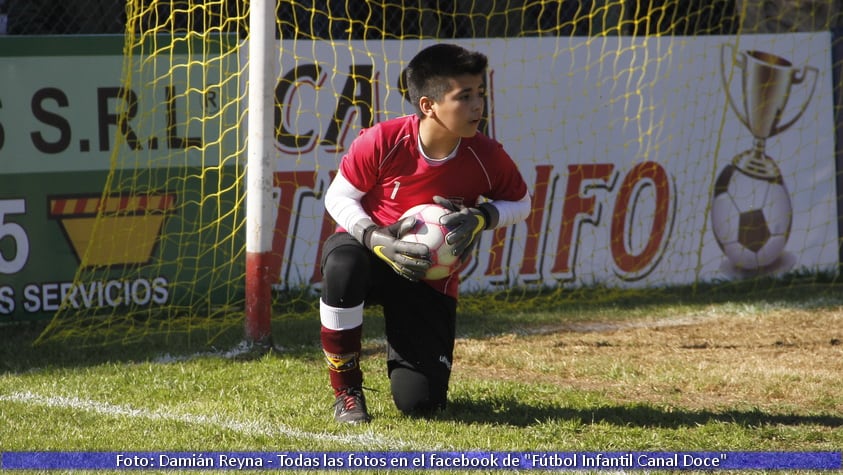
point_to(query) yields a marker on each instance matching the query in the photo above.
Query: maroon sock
(342, 352)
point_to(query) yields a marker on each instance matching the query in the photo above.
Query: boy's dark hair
(428, 72)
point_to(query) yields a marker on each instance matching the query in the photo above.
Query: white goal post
(260, 208)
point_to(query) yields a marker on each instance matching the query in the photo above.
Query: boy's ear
(426, 106)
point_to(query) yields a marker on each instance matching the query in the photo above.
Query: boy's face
(461, 107)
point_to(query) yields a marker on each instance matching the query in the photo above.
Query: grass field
(710, 370)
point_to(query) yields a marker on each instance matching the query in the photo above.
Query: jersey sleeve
(509, 193)
(507, 182)
(361, 164)
(342, 202)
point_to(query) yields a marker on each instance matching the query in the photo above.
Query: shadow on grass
(514, 413)
(294, 336)
(299, 337)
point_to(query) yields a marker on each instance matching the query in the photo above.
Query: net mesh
(166, 246)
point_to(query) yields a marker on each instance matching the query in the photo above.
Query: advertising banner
(80, 139)
(653, 161)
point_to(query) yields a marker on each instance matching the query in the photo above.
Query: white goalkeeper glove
(409, 259)
(466, 224)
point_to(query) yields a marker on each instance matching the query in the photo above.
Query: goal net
(666, 143)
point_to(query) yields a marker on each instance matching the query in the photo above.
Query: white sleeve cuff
(512, 212)
(342, 202)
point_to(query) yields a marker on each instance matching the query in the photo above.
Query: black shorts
(420, 321)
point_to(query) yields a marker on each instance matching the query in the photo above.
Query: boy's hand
(465, 224)
(409, 259)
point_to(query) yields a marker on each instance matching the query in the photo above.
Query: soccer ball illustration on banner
(750, 217)
(428, 231)
(751, 212)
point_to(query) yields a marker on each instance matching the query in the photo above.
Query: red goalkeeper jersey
(385, 163)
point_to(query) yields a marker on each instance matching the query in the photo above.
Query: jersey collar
(435, 162)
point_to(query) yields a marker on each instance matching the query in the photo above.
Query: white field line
(252, 428)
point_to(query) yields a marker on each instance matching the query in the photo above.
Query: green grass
(574, 375)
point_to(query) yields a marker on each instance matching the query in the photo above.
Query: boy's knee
(343, 259)
(346, 274)
(414, 393)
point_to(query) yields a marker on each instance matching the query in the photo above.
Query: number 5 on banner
(21, 248)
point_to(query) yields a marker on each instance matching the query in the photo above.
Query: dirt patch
(785, 360)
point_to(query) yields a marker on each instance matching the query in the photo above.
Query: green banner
(118, 178)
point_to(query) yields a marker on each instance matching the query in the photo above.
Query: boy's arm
(466, 224)
(342, 202)
(409, 259)
(511, 212)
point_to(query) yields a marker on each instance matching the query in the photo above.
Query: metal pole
(260, 207)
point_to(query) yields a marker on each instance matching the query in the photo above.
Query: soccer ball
(750, 217)
(428, 231)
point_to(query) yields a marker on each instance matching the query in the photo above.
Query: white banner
(641, 171)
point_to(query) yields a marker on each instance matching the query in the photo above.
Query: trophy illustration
(751, 212)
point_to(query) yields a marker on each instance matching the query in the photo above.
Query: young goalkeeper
(436, 155)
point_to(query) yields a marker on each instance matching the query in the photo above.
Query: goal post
(260, 207)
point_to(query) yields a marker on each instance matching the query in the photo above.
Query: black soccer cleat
(350, 407)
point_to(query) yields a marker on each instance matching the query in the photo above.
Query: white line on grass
(251, 428)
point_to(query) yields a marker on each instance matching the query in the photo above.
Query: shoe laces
(352, 397)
